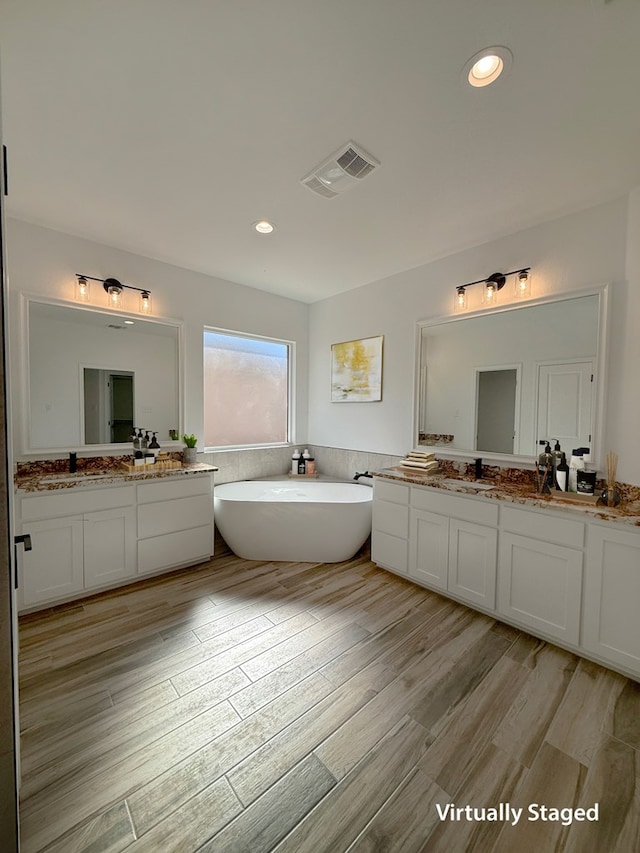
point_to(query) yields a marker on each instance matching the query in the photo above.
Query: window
(247, 389)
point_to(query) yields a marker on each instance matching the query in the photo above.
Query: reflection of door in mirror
(108, 406)
(565, 404)
(496, 410)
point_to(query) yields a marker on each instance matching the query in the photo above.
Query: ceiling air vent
(341, 171)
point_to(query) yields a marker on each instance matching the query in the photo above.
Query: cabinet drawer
(72, 502)
(390, 552)
(181, 487)
(396, 493)
(563, 531)
(391, 518)
(155, 519)
(471, 509)
(175, 549)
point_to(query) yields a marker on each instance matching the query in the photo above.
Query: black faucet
(478, 469)
(365, 474)
(73, 462)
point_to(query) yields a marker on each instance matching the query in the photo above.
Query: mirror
(108, 405)
(93, 376)
(498, 383)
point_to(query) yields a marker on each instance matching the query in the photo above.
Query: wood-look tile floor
(244, 706)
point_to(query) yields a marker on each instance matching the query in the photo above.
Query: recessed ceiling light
(487, 65)
(129, 322)
(263, 226)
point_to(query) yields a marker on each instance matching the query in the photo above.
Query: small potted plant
(190, 450)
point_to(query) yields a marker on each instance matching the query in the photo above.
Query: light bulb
(145, 302)
(82, 289)
(460, 300)
(490, 293)
(115, 297)
(523, 284)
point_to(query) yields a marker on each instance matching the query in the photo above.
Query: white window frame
(291, 385)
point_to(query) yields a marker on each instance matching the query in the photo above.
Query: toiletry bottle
(137, 438)
(153, 445)
(557, 454)
(306, 456)
(294, 461)
(545, 466)
(310, 465)
(562, 474)
(145, 440)
(302, 467)
(576, 464)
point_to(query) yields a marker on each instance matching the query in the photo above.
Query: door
(540, 585)
(9, 753)
(53, 569)
(473, 552)
(565, 401)
(121, 386)
(611, 628)
(109, 545)
(429, 548)
(496, 410)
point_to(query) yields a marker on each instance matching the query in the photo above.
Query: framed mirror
(496, 384)
(92, 376)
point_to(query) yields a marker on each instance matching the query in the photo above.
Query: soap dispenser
(545, 467)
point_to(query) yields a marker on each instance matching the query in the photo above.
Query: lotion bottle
(562, 474)
(294, 461)
(576, 464)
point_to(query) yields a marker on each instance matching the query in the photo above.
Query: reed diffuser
(610, 496)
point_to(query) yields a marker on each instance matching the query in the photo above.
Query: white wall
(44, 262)
(573, 253)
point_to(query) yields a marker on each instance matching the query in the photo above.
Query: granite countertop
(522, 493)
(47, 481)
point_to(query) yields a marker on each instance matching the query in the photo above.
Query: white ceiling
(166, 128)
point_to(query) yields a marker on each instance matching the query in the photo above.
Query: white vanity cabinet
(390, 525)
(453, 545)
(175, 523)
(540, 572)
(80, 540)
(611, 623)
(564, 576)
(85, 539)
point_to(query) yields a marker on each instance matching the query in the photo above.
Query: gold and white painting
(356, 371)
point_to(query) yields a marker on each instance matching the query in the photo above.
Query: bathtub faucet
(365, 474)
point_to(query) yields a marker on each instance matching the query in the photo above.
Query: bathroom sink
(467, 484)
(78, 477)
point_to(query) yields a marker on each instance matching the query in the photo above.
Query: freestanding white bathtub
(304, 521)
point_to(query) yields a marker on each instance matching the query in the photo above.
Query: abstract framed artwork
(356, 371)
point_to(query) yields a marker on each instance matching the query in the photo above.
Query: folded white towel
(421, 457)
(422, 466)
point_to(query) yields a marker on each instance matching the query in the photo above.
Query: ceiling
(167, 128)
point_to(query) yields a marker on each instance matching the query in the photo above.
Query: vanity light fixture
(493, 284)
(82, 289)
(523, 284)
(114, 289)
(460, 303)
